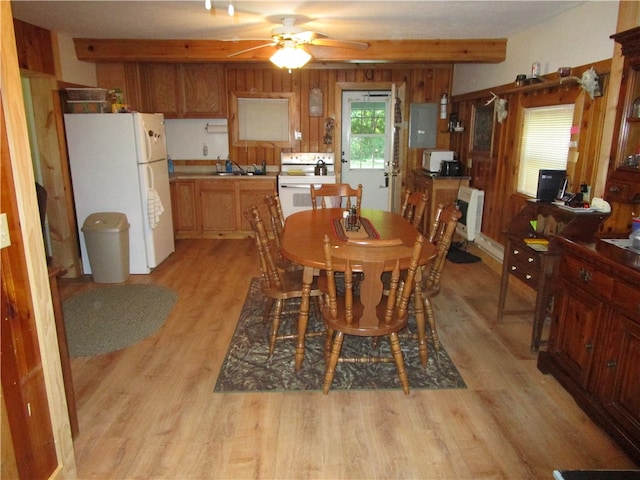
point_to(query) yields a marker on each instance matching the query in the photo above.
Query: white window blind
(546, 133)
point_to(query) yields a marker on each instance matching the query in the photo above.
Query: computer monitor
(549, 184)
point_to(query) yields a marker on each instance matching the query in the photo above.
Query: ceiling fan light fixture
(290, 57)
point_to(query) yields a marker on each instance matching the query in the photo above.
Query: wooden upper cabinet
(623, 182)
(184, 90)
(126, 77)
(162, 89)
(34, 48)
(203, 90)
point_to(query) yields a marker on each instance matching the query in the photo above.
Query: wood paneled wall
(421, 84)
(496, 171)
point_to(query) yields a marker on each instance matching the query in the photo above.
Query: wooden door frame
(345, 86)
(29, 233)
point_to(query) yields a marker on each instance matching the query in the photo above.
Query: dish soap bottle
(229, 166)
(170, 165)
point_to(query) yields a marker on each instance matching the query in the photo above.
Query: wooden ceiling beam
(379, 51)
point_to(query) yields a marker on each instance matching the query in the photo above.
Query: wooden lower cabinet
(252, 192)
(440, 190)
(184, 205)
(218, 206)
(206, 208)
(594, 341)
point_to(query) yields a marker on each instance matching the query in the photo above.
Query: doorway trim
(401, 89)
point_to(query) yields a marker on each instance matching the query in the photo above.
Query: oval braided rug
(111, 318)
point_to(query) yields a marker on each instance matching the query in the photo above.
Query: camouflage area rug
(248, 368)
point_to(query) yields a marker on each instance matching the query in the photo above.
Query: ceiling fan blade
(307, 36)
(272, 44)
(328, 42)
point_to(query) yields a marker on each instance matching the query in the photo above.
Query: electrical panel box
(423, 122)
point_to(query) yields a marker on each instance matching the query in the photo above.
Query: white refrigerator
(118, 163)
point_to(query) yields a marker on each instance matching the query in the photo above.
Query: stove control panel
(306, 158)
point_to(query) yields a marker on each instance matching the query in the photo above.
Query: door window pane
(368, 135)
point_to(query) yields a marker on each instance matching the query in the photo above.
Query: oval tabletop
(303, 234)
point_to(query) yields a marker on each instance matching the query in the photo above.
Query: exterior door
(367, 137)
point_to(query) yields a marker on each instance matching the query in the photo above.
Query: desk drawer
(525, 256)
(527, 272)
(585, 276)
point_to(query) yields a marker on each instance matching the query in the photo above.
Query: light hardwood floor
(149, 411)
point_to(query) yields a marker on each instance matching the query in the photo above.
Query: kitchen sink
(232, 174)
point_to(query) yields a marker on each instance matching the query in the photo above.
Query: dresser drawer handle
(614, 189)
(588, 346)
(528, 277)
(612, 363)
(513, 268)
(585, 275)
(530, 259)
(516, 252)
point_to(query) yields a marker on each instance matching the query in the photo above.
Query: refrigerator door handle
(148, 135)
(150, 179)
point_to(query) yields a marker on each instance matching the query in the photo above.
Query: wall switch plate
(5, 239)
(298, 135)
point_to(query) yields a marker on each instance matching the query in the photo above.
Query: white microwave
(431, 159)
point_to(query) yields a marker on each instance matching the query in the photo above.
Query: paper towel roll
(211, 128)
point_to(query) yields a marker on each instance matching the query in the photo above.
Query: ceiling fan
(289, 41)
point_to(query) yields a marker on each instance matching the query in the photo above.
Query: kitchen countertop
(208, 171)
(209, 176)
(437, 176)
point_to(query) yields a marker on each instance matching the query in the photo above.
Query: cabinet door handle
(585, 275)
(612, 363)
(588, 346)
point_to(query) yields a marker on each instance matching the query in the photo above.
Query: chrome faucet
(242, 170)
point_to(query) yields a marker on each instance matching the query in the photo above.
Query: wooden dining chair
(367, 311)
(336, 192)
(277, 286)
(442, 229)
(272, 200)
(414, 206)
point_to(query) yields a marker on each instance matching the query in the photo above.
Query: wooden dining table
(302, 243)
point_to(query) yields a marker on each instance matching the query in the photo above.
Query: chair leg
(432, 326)
(421, 331)
(333, 361)
(327, 344)
(397, 355)
(267, 310)
(275, 325)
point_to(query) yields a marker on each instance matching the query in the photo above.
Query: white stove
(297, 173)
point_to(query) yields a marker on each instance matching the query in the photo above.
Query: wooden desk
(537, 268)
(302, 243)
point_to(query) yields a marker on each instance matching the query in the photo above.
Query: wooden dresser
(594, 341)
(536, 267)
(440, 190)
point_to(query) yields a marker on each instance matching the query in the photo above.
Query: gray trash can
(106, 235)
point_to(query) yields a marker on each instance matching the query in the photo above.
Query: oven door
(295, 194)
